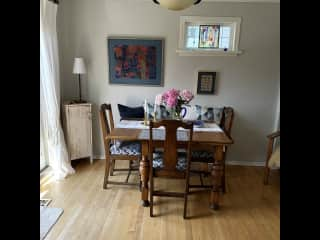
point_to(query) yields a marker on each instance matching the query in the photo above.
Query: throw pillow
(130, 112)
(192, 112)
(211, 114)
(161, 110)
(207, 114)
(217, 115)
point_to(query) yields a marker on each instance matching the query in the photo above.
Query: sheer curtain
(53, 146)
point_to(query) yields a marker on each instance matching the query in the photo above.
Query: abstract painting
(135, 61)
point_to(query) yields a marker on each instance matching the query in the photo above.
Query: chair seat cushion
(158, 161)
(202, 156)
(131, 148)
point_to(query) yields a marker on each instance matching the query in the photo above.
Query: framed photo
(135, 61)
(206, 82)
(209, 36)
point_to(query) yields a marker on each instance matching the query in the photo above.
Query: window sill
(196, 52)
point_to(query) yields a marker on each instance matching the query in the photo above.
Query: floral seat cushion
(158, 161)
(125, 148)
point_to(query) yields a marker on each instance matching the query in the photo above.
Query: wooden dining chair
(169, 163)
(117, 150)
(270, 150)
(203, 154)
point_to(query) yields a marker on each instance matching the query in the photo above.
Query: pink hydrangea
(170, 97)
(173, 93)
(171, 101)
(186, 95)
(174, 97)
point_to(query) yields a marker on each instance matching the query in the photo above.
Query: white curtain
(54, 146)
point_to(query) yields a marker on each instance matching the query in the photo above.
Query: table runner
(208, 127)
(159, 134)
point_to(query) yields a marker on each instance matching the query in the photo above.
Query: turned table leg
(216, 173)
(144, 173)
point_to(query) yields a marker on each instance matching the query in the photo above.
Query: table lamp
(79, 68)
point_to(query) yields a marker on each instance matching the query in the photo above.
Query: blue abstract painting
(135, 61)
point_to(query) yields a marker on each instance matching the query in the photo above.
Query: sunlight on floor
(47, 179)
(42, 194)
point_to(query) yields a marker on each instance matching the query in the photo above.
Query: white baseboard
(240, 163)
(246, 163)
(99, 157)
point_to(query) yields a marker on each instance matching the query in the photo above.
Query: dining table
(209, 133)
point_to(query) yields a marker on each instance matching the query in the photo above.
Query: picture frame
(206, 82)
(209, 36)
(135, 60)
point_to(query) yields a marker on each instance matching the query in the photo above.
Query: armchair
(272, 153)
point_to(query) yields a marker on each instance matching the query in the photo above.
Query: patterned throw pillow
(161, 110)
(217, 114)
(193, 112)
(210, 113)
(207, 114)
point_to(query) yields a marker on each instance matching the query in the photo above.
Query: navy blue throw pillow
(130, 112)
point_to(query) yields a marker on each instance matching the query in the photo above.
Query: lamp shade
(79, 66)
(176, 4)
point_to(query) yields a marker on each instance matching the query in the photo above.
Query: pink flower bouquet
(174, 99)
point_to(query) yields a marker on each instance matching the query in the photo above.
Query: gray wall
(248, 82)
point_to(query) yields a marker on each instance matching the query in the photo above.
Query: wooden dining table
(209, 134)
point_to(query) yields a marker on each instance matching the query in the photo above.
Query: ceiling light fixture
(176, 4)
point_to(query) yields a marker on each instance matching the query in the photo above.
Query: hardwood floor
(249, 209)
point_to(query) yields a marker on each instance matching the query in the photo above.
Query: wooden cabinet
(78, 130)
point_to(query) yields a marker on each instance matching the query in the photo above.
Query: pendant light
(176, 4)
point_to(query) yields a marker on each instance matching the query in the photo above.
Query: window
(209, 36)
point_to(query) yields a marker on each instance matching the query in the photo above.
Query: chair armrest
(274, 135)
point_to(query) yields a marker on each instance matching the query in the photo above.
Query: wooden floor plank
(249, 209)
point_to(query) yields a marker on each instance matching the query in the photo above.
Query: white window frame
(197, 20)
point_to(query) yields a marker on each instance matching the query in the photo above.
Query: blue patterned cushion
(201, 156)
(211, 114)
(204, 113)
(158, 161)
(125, 148)
(162, 112)
(193, 112)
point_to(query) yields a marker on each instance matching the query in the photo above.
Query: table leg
(144, 173)
(216, 177)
